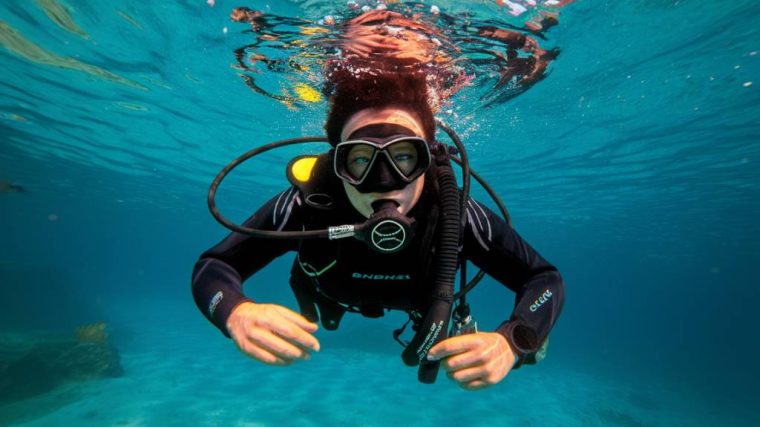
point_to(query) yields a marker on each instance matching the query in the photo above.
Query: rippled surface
(633, 165)
(624, 120)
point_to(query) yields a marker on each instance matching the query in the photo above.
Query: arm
(269, 333)
(219, 273)
(495, 247)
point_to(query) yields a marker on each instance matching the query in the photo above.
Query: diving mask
(377, 165)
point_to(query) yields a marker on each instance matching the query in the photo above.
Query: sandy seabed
(196, 378)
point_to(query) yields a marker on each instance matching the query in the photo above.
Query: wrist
(522, 340)
(510, 349)
(224, 317)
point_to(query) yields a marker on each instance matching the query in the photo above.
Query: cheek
(361, 202)
(412, 194)
(408, 199)
(365, 201)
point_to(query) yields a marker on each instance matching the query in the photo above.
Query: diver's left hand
(475, 361)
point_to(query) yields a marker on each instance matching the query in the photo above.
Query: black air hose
(434, 327)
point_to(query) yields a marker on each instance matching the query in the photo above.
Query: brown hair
(377, 69)
(355, 93)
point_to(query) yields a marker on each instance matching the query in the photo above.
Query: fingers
(479, 351)
(297, 319)
(451, 346)
(272, 334)
(475, 378)
(261, 354)
(475, 385)
(296, 329)
(275, 345)
(464, 360)
(292, 333)
(475, 361)
(464, 376)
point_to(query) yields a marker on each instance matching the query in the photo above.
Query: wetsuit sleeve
(491, 244)
(219, 273)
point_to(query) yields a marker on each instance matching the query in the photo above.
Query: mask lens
(406, 157)
(354, 160)
(358, 159)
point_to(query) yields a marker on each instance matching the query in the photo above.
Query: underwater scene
(621, 139)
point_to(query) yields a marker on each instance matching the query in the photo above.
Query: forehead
(382, 116)
(381, 130)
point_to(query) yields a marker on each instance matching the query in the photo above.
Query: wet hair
(386, 85)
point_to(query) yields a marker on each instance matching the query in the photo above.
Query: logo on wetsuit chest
(369, 276)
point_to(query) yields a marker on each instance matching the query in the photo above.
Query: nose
(384, 179)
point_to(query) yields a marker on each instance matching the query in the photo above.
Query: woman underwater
(386, 171)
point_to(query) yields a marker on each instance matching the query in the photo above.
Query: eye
(359, 155)
(358, 160)
(404, 156)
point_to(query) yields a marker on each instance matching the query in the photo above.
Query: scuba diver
(380, 223)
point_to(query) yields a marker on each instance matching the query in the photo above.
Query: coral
(31, 366)
(95, 333)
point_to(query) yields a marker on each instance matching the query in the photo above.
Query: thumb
(450, 346)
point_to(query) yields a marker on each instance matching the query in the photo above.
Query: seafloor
(178, 371)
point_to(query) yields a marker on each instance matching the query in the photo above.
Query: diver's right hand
(271, 333)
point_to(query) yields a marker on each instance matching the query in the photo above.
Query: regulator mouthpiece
(387, 231)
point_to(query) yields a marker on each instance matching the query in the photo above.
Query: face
(380, 123)
(403, 154)
(406, 198)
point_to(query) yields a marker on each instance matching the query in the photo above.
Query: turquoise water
(633, 167)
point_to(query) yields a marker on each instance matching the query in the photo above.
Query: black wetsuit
(343, 273)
